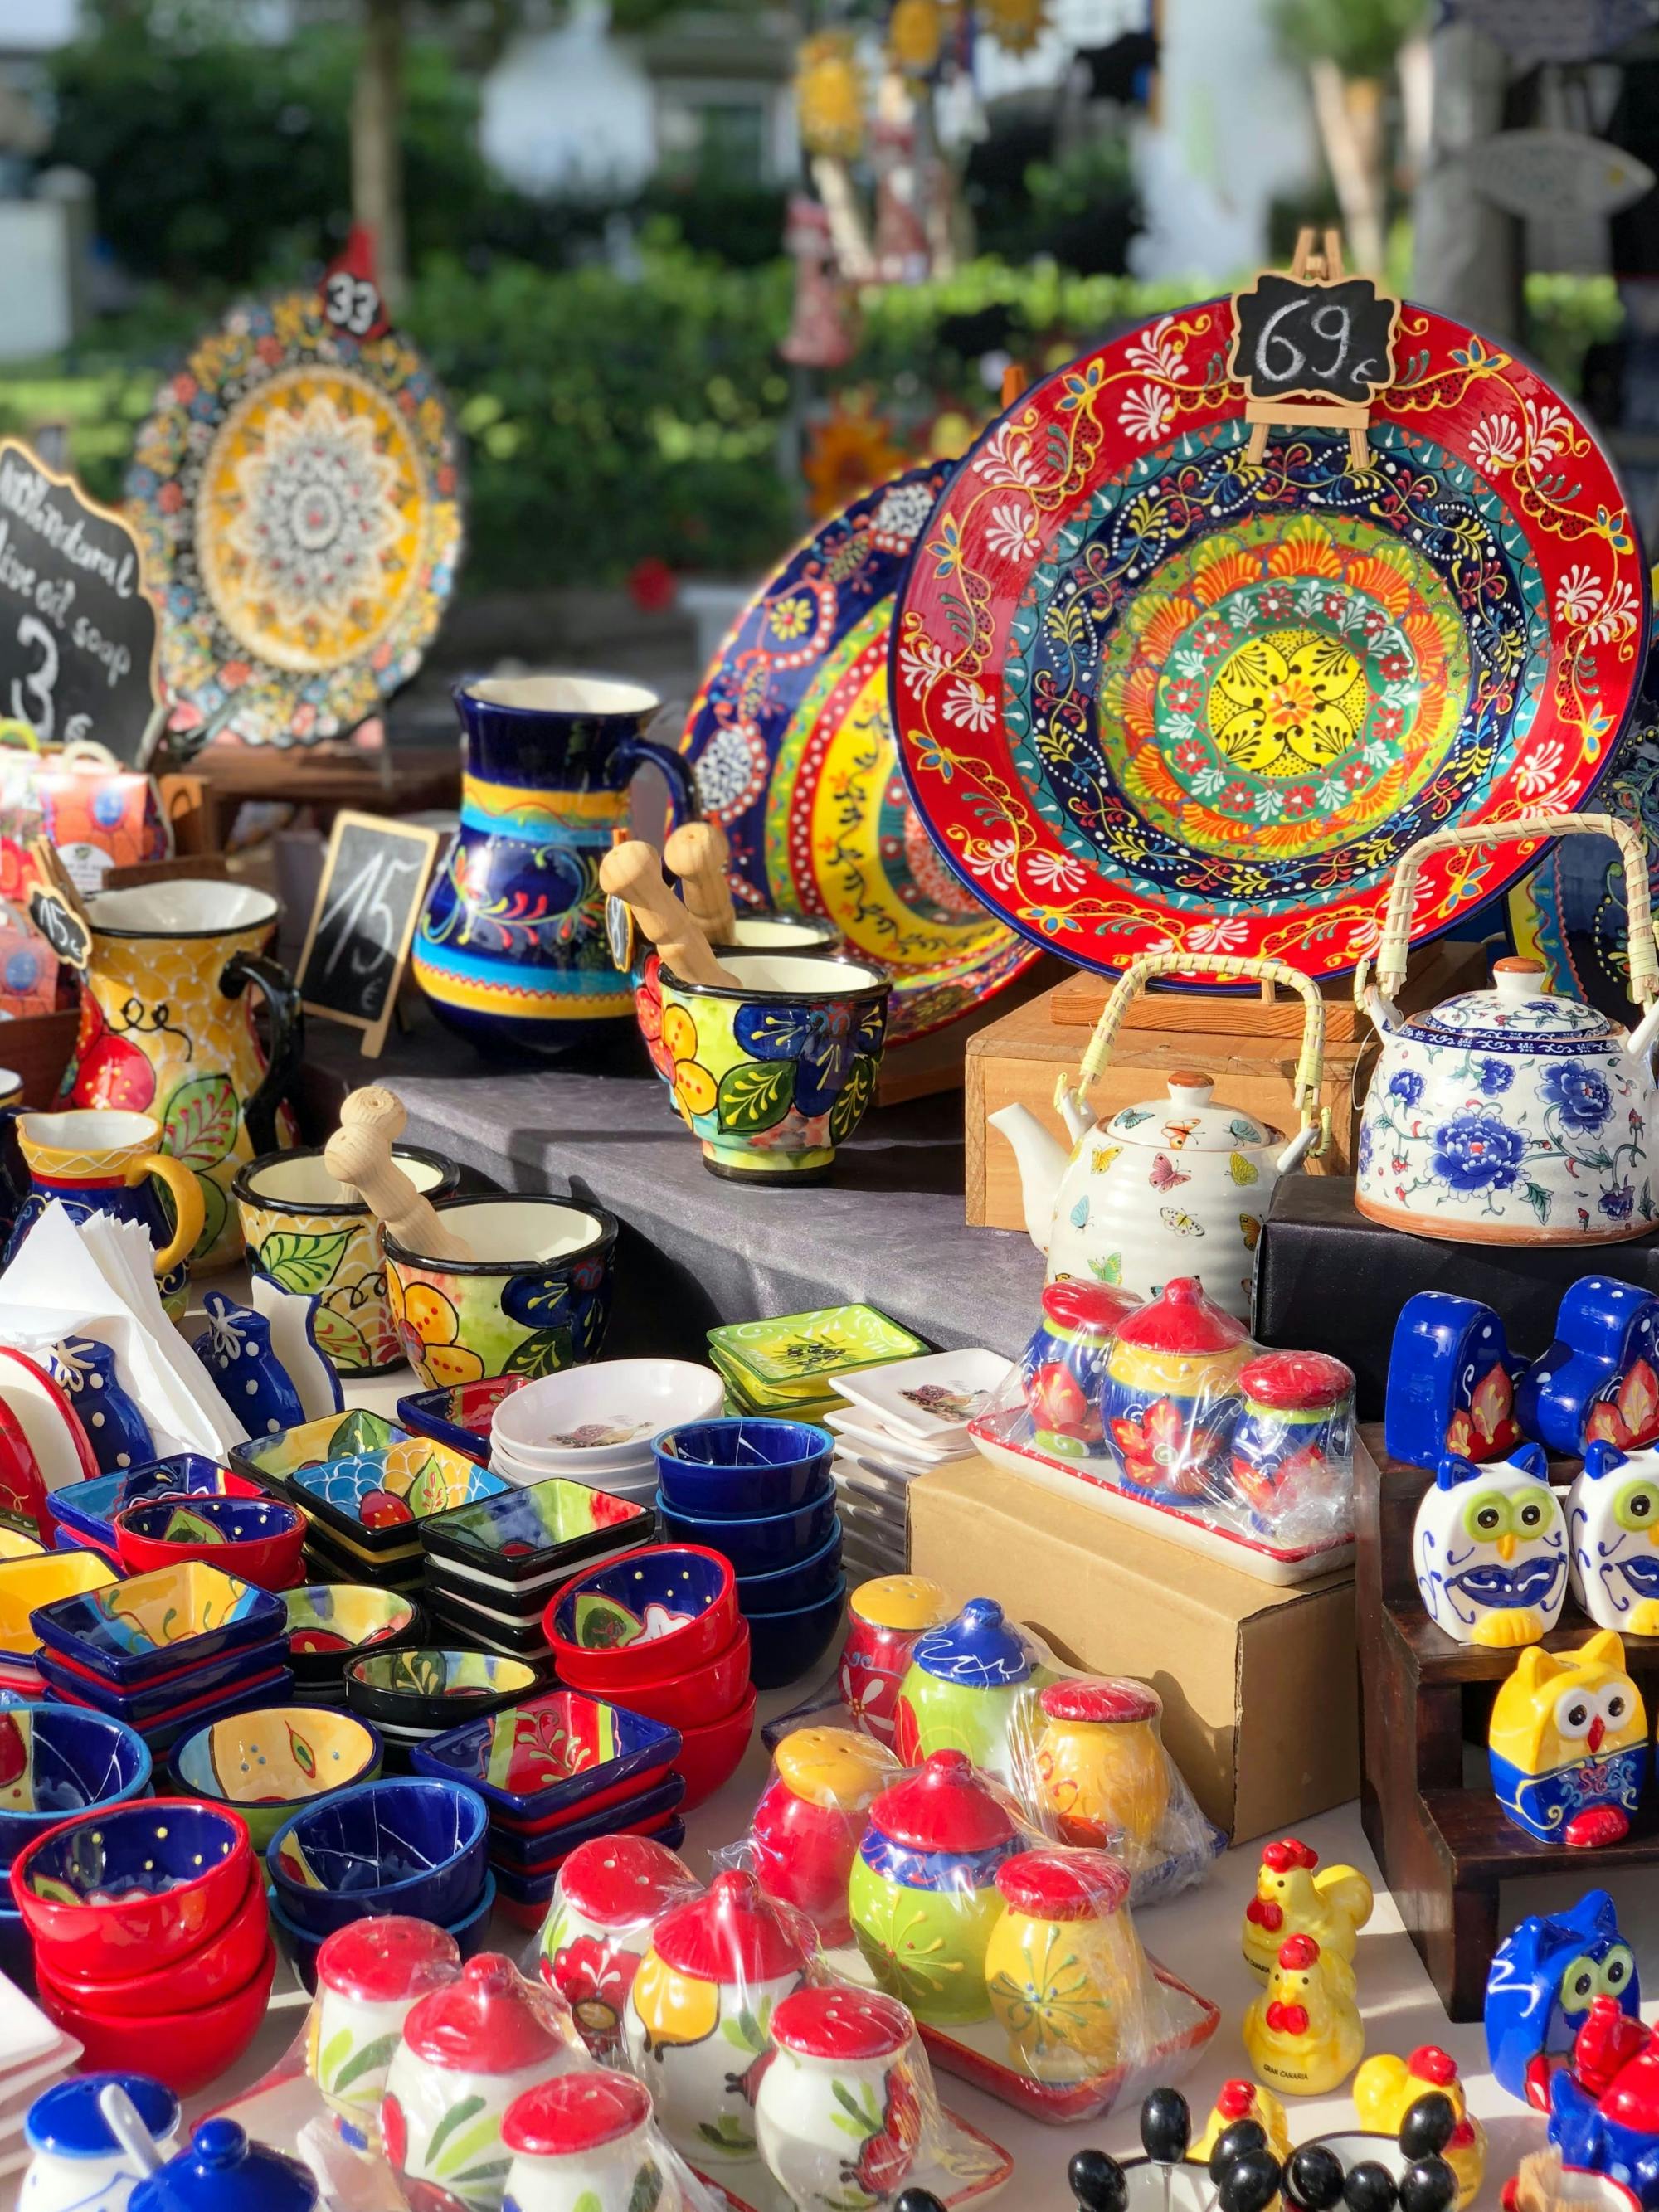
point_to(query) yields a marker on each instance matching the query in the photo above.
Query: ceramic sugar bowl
(584, 2143)
(608, 1896)
(1100, 1764)
(219, 2168)
(840, 2112)
(1170, 1397)
(370, 1976)
(923, 1896)
(883, 1619)
(467, 2051)
(810, 1818)
(700, 2011)
(967, 1681)
(1064, 1363)
(75, 2165)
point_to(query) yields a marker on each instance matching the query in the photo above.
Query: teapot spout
(1641, 1037)
(1041, 1163)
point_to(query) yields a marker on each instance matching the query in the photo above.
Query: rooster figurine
(1291, 1899)
(1244, 2100)
(1304, 2037)
(1386, 2088)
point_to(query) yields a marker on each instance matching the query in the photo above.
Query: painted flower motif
(823, 1040)
(1617, 1204)
(429, 1326)
(1056, 871)
(1011, 529)
(594, 1979)
(792, 618)
(1492, 1076)
(1406, 1085)
(968, 705)
(1277, 602)
(921, 662)
(1367, 1146)
(1005, 459)
(1146, 413)
(1549, 430)
(1159, 350)
(695, 1088)
(1477, 1151)
(1189, 756)
(1582, 1097)
(1495, 443)
(1155, 1449)
(1184, 696)
(1225, 934)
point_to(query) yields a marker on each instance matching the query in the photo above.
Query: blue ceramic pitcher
(511, 948)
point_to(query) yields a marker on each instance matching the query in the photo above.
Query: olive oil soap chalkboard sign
(374, 877)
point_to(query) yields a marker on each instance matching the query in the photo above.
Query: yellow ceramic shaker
(1064, 1966)
(1100, 1764)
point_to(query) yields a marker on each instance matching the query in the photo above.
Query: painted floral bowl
(764, 1544)
(329, 1622)
(157, 1623)
(772, 1074)
(535, 1297)
(56, 1760)
(129, 1888)
(257, 1540)
(417, 1846)
(269, 1762)
(783, 1646)
(741, 1467)
(665, 1606)
(533, 1762)
(429, 1688)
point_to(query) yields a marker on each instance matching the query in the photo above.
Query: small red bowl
(141, 1930)
(184, 2051)
(711, 1756)
(220, 1966)
(681, 1701)
(693, 1592)
(271, 1561)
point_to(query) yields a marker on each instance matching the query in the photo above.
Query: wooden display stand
(1248, 1044)
(1444, 1843)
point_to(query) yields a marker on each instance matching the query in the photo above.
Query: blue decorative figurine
(1599, 1378)
(1544, 1978)
(1452, 1383)
(1489, 1549)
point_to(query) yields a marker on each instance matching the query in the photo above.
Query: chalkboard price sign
(1298, 340)
(77, 630)
(374, 877)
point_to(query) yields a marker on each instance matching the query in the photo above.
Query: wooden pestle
(632, 872)
(360, 1154)
(697, 853)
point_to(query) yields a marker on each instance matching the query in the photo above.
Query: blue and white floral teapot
(1511, 1116)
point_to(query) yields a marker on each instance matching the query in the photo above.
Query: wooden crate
(1250, 1046)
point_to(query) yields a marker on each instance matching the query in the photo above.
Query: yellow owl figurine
(1303, 2033)
(1244, 2100)
(1569, 1743)
(1290, 1899)
(1386, 2088)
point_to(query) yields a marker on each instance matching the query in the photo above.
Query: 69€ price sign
(1313, 346)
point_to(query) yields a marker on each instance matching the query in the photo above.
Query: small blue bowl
(806, 1581)
(471, 1933)
(720, 1470)
(409, 1845)
(784, 1646)
(72, 1761)
(763, 1543)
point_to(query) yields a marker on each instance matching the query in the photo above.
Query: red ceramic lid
(490, 2022)
(577, 2113)
(1180, 1319)
(944, 1808)
(1079, 1306)
(1096, 1698)
(734, 1934)
(619, 1881)
(1063, 1885)
(841, 2023)
(1296, 1381)
(384, 1961)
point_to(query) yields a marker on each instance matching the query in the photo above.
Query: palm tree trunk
(1350, 115)
(376, 159)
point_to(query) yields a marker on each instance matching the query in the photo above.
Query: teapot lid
(1517, 1011)
(576, 2113)
(1187, 1121)
(66, 2121)
(222, 2167)
(489, 2022)
(1180, 1319)
(734, 1934)
(836, 1768)
(381, 1961)
(1063, 1885)
(620, 1881)
(841, 2023)
(945, 1807)
(978, 1649)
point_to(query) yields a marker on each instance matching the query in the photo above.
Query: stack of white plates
(594, 1425)
(903, 1421)
(34, 2056)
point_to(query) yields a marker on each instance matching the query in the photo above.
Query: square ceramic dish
(441, 1579)
(90, 1508)
(458, 1415)
(375, 1498)
(325, 1558)
(525, 1639)
(27, 1585)
(798, 1354)
(532, 1893)
(538, 1535)
(155, 1624)
(229, 1670)
(552, 1754)
(272, 1460)
(529, 1855)
(931, 1400)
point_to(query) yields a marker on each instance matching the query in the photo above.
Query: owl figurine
(1613, 1525)
(1569, 1743)
(1489, 1546)
(1543, 1981)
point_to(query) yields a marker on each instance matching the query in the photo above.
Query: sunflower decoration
(829, 96)
(915, 36)
(1016, 24)
(850, 451)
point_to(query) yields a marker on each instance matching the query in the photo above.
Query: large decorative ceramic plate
(297, 494)
(1152, 696)
(792, 747)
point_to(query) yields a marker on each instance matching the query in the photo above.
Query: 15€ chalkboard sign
(362, 921)
(78, 633)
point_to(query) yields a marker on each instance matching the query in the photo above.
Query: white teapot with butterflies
(1175, 1186)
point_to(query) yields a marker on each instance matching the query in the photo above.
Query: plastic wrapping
(607, 1896)
(1173, 1406)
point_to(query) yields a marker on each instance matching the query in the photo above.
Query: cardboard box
(1260, 1686)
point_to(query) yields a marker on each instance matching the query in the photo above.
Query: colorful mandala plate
(298, 497)
(1152, 696)
(793, 750)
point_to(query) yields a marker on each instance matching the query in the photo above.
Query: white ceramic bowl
(643, 1396)
(638, 1482)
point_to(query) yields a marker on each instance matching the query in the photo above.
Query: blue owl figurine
(1612, 1529)
(1490, 1550)
(1543, 1981)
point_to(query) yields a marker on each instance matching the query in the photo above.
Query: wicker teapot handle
(1309, 1066)
(1394, 944)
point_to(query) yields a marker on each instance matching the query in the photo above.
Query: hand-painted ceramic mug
(535, 1297)
(773, 1074)
(312, 1234)
(97, 1161)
